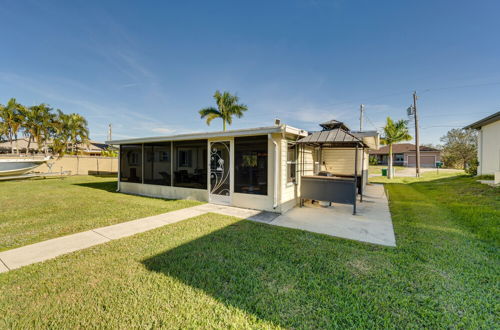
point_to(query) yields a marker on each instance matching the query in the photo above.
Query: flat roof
(208, 135)
(485, 121)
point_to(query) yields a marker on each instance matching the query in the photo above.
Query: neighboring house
(404, 154)
(92, 148)
(257, 168)
(488, 151)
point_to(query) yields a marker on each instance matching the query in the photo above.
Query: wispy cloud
(66, 94)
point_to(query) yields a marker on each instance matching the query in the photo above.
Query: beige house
(488, 151)
(92, 148)
(404, 154)
(257, 168)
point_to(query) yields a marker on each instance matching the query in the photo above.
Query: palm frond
(210, 114)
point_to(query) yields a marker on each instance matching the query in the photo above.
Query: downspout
(480, 167)
(275, 172)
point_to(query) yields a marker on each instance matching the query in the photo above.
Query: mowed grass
(425, 176)
(377, 169)
(36, 210)
(221, 272)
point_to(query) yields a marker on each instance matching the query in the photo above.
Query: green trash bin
(384, 172)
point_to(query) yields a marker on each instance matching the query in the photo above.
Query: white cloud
(163, 130)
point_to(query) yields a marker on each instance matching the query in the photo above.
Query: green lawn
(220, 272)
(377, 169)
(36, 210)
(426, 176)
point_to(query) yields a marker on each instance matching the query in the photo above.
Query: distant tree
(12, 118)
(109, 152)
(41, 125)
(394, 132)
(434, 146)
(3, 125)
(460, 148)
(78, 131)
(37, 124)
(373, 160)
(227, 107)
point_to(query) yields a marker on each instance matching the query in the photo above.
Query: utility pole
(417, 144)
(361, 113)
(110, 136)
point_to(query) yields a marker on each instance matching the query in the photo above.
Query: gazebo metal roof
(333, 124)
(335, 138)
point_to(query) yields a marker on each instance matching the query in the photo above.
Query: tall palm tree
(60, 133)
(227, 107)
(78, 131)
(3, 126)
(37, 124)
(12, 117)
(394, 132)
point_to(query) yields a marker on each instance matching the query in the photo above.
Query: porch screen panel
(250, 165)
(157, 161)
(131, 163)
(190, 164)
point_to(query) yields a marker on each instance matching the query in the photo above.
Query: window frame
(242, 186)
(291, 179)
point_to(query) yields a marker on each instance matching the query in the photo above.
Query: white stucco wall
(152, 190)
(489, 149)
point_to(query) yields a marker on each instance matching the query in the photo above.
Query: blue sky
(148, 66)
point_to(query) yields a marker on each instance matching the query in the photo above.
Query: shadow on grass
(288, 277)
(109, 186)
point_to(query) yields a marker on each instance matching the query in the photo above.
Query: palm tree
(12, 117)
(78, 131)
(227, 107)
(60, 133)
(394, 132)
(37, 124)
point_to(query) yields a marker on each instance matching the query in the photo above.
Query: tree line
(43, 127)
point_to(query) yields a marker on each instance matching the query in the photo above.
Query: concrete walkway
(372, 224)
(30, 254)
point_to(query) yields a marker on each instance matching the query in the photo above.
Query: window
(399, 158)
(190, 160)
(131, 163)
(157, 163)
(185, 158)
(250, 165)
(291, 162)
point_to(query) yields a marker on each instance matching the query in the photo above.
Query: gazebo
(334, 187)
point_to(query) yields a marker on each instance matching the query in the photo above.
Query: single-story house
(91, 148)
(257, 168)
(488, 151)
(404, 154)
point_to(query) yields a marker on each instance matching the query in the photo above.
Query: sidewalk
(30, 254)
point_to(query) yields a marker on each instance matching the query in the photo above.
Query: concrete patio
(371, 224)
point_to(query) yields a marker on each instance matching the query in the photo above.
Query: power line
(371, 123)
(460, 86)
(437, 126)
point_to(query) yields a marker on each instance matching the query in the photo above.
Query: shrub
(471, 168)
